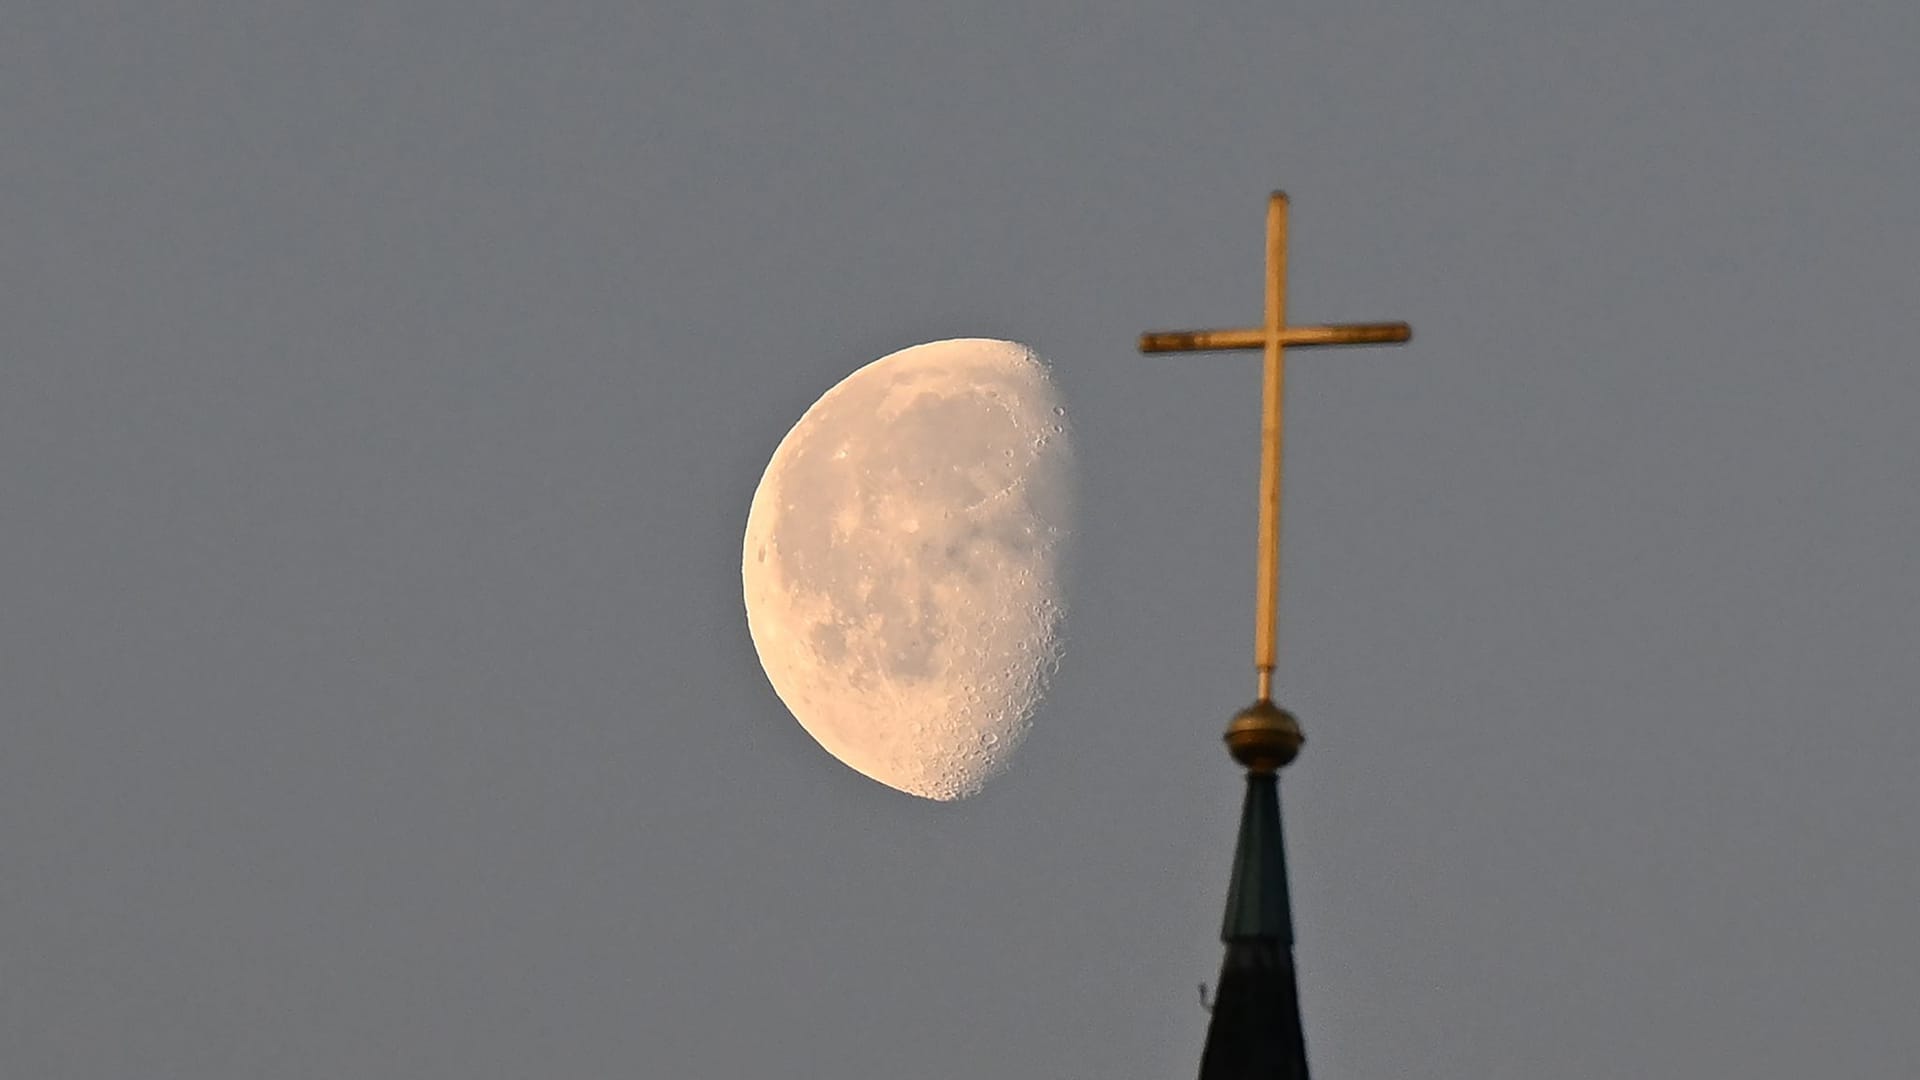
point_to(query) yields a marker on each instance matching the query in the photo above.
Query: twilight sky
(382, 389)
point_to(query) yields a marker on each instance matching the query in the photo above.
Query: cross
(1273, 336)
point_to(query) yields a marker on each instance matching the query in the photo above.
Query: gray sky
(382, 389)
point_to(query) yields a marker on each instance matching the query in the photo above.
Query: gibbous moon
(903, 561)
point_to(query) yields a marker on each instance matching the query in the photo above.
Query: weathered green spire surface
(1257, 903)
(1255, 1033)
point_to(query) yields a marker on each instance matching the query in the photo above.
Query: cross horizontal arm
(1292, 337)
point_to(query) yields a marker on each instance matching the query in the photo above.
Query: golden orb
(1263, 736)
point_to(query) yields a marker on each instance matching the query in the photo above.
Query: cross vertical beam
(1273, 337)
(1273, 398)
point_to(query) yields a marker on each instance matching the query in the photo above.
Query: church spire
(1255, 1033)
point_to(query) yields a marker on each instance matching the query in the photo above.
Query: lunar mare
(903, 562)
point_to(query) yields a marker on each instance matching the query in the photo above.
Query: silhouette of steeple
(1255, 1032)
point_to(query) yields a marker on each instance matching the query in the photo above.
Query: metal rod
(1293, 337)
(1273, 395)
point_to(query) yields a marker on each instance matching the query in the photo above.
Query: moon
(904, 558)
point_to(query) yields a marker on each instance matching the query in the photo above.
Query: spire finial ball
(1263, 736)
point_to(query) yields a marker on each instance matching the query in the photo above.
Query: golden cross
(1274, 336)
